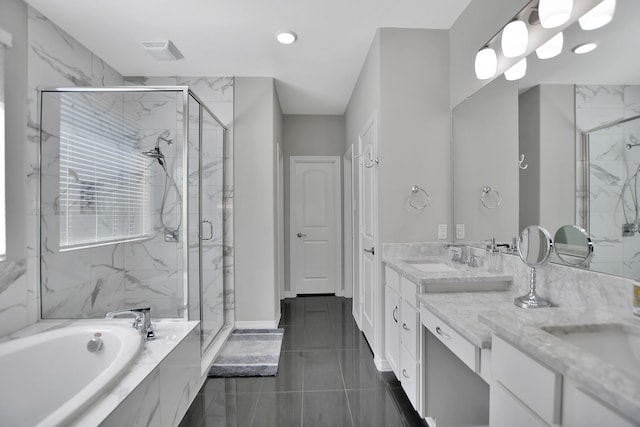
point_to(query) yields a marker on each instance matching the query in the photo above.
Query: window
(103, 195)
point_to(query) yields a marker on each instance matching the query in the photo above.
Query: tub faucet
(142, 320)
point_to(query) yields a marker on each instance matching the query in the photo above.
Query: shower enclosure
(611, 205)
(131, 204)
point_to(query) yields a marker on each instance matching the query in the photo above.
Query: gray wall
(256, 126)
(485, 133)
(307, 135)
(529, 145)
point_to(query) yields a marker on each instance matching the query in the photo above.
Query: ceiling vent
(162, 50)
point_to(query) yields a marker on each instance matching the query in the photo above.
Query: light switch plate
(459, 231)
(442, 231)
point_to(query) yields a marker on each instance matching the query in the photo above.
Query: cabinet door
(392, 329)
(409, 323)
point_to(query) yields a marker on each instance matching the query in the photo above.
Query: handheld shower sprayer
(155, 152)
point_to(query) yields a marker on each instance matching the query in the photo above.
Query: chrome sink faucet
(460, 257)
(142, 320)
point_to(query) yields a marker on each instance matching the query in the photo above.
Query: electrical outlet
(442, 231)
(459, 231)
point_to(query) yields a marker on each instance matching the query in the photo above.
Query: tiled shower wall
(56, 59)
(611, 166)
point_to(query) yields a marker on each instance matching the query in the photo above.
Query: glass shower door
(209, 177)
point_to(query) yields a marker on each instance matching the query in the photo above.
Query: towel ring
(414, 190)
(487, 203)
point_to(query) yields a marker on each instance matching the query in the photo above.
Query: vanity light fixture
(554, 13)
(286, 37)
(486, 63)
(551, 48)
(599, 16)
(515, 39)
(584, 48)
(517, 71)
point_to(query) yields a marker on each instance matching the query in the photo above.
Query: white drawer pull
(404, 326)
(404, 374)
(442, 334)
(395, 310)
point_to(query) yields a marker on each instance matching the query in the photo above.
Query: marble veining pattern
(612, 384)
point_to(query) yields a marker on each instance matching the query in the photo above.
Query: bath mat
(249, 353)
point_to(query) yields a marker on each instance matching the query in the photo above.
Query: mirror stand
(532, 300)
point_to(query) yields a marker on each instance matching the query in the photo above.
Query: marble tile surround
(611, 167)
(55, 59)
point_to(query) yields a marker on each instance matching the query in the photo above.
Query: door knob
(371, 251)
(301, 235)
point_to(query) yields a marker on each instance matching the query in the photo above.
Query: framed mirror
(525, 138)
(572, 245)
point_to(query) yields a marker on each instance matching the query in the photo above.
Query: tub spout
(142, 320)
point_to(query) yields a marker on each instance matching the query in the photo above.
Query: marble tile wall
(611, 174)
(55, 59)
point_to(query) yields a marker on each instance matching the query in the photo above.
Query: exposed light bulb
(515, 39)
(554, 13)
(551, 48)
(286, 37)
(486, 63)
(584, 48)
(517, 71)
(599, 16)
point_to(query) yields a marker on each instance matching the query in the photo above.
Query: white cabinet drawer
(392, 279)
(409, 377)
(455, 342)
(408, 290)
(505, 410)
(409, 326)
(535, 385)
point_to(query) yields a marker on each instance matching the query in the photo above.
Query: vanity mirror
(573, 246)
(534, 247)
(562, 179)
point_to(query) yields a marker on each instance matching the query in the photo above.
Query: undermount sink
(616, 344)
(431, 267)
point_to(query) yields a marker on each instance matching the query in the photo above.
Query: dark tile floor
(326, 377)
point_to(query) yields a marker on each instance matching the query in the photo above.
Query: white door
(368, 228)
(315, 224)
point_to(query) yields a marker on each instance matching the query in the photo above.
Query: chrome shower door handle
(210, 237)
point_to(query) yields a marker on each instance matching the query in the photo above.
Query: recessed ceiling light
(584, 48)
(286, 37)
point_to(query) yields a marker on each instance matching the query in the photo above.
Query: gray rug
(249, 353)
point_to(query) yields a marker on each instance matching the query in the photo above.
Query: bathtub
(49, 378)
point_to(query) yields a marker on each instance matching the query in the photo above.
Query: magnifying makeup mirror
(534, 247)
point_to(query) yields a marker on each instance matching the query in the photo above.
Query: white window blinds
(103, 195)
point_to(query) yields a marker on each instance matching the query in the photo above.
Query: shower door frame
(186, 92)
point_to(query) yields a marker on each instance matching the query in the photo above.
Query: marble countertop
(437, 280)
(612, 383)
(460, 310)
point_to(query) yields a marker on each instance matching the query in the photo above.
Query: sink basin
(431, 267)
(616, 344)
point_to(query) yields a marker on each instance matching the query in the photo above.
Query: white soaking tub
(48, 378)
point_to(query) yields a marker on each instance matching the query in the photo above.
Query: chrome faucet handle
(142, 321)
(456, 255)
(473, 261)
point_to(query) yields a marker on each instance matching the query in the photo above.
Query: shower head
(161, 138)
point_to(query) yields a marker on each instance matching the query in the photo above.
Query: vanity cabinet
(522, 388)
(453, 391)
(402, 338)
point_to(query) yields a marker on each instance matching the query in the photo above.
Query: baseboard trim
(381, 364)
(257, 324)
